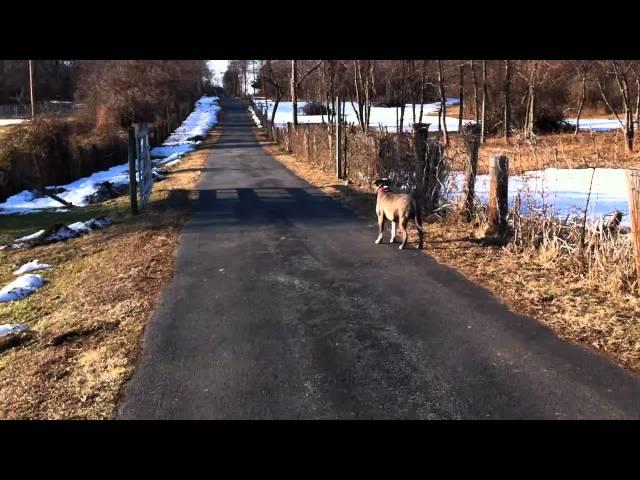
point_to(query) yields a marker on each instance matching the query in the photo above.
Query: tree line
(112, 91)
(529, 96)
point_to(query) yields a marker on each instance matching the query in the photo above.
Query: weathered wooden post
(633, 190)
(420, 132)
(471, 138)
(288, 139)
(133, 183)
(432, 182)
(338, 143)
(498, 196)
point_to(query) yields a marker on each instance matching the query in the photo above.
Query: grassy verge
(87, 322)
(529, 283)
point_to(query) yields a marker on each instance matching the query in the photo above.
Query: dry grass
(4, 130)
(532, 282)
(88, 320)
(604, 149)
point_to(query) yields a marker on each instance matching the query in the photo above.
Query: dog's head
(381, 183)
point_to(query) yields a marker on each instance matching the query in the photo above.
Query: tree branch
(309, 73)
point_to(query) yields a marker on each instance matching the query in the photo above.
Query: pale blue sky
(218, 67)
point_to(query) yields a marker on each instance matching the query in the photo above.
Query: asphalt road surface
(282, 307)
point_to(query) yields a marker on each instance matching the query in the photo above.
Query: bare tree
(484, 103)
(443, 104)
(364, 83)
(402, 93)
(582, 69)
(507, 99)
(294, 96)
(297, 83)
(422, 85)
(476, 108)
(620, 71)
(461, 95)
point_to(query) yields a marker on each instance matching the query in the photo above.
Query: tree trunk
(461, 96)
(583, 96)
(443, 104)
(638, 104)
(483, 138)
(471, 136)
(422, 91)
(476, 108)
(507, 100)
(531, 112)
(294, 96)
(402, 96)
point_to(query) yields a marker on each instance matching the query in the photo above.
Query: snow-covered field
(565, 189)
(596, 124)
(11, 121)
(181, 141)
(380, 116)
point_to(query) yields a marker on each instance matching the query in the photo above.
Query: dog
(398, 208)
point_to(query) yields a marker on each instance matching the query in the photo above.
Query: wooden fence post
(133, 183)
(471, 138)
(633, 189)
(431, 183)
(288, 140)
(338, 144)
(420, 131)
(498, 196)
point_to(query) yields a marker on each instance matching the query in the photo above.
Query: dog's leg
(404, 222)
(380, 228)
(393, 232)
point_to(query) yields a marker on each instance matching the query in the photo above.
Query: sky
(218, 67)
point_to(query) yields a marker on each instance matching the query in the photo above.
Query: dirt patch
(86, 324)
(528, 284)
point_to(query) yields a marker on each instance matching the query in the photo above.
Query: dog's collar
(384, 188)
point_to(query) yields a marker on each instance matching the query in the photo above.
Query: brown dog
(398, 208)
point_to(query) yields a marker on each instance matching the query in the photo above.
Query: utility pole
(33, 105)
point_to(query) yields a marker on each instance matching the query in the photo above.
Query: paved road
(282, 307)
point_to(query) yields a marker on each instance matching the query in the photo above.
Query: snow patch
(61, 234)
(11, 121)
(28, 238)
(32, 266)
(21, 287)
(183, 140)
(9, 328)
(565, 190)
(596, 124)
(191, 133)
(77, 193)
(381, 117)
